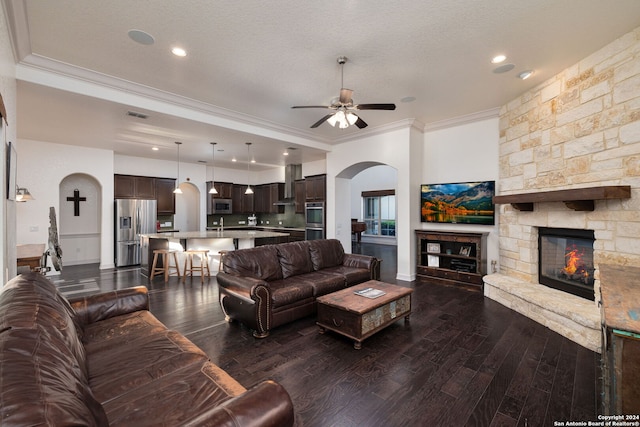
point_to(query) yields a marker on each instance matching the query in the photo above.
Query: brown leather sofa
(268, 286)
(106, 360)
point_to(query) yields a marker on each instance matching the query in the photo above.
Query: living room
(592, 142)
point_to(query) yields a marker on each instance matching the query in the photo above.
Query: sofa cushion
(42, 383)
(179, 397)
(326, 253)
(289, 291)
(352, 275)
(294, 258)
(323, 283)
(30, 301)
(147, 358)
(260, 263)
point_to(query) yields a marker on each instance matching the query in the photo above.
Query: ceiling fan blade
(321, 121)
(375, 106)
(311, 106)
(345, 96)
(361, 123)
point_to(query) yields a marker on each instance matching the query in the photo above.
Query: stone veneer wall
(580, 128)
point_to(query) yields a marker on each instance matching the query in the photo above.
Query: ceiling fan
(344, 114)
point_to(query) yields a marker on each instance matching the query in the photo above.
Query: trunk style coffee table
(358, 317)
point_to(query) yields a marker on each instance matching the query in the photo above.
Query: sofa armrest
(363, 261)
(266, 404)
(93, 308)
(240, 286)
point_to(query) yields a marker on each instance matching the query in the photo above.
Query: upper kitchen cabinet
(165, 196)
(265, 195)
(134, 187)
(276, 193)
(225, 189)
(300, 195)
(242, 203)
(315, 187)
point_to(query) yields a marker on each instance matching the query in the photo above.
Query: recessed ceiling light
(141, 37)
(178, 51)
(155, 148)
(504, 68)
(525, 74)
(498, 59)
(234, 160)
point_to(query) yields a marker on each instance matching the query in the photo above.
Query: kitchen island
(213, 241)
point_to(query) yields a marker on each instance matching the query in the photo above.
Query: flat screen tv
(458, 203)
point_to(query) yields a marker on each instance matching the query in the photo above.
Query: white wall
(467, 152)
(41, 168)
(8, 133)
(80, 236)
(400, 148)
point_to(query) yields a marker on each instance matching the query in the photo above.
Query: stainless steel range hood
(291, 174)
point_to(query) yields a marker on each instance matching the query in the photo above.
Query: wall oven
(314, 220)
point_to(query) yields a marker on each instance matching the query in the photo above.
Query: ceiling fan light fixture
(352, 118)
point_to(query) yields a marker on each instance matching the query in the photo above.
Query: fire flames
(575, 268)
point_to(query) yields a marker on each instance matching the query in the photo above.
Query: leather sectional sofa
(268, 286)
(106, 360)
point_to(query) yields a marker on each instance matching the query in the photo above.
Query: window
(379, 212)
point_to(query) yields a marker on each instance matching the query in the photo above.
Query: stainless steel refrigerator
(133, 217)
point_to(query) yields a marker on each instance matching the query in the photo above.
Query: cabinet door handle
(338, 323)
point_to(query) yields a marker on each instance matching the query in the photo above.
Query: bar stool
(166, 261)
(221, 253)
(188, 264)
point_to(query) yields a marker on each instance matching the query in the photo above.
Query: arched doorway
(187, 217)
(358, 178)
(80, 219)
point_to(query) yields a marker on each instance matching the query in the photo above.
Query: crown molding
(461, 120)
(389, 127)
(16, 15)
(67, 71)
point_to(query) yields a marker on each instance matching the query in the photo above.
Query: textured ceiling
(250, 61)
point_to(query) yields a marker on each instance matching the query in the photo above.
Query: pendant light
(213, 170)
(178, 190)
(248, 190)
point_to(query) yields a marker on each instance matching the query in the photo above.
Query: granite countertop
(226, 234)
(266, 227)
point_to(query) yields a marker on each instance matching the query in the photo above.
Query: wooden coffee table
(358, 317)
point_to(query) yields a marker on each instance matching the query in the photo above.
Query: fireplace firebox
(565, 260)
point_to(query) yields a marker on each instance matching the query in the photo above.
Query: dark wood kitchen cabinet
(242, 203)
(276, 193)
(225, 190)
(315, 187)
(134, 187)
(300, 195)
(165, 196)
(265, 195)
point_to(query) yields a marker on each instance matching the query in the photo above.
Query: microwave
(220, 206)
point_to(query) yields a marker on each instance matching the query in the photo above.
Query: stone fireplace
(565, 260)
(579, 130)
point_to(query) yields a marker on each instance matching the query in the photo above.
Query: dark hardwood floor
(463, 360)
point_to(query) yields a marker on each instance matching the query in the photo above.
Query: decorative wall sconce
(22, 195)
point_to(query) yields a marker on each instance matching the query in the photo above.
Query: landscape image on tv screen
(462, 202)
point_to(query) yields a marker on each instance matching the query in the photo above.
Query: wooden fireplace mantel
(578, 199)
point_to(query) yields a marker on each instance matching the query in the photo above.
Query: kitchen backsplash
(272, 220)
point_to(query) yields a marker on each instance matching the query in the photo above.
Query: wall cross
(76, 199)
